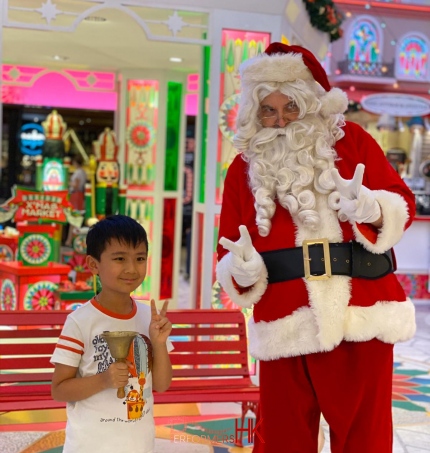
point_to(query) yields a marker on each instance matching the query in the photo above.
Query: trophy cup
(119, 344)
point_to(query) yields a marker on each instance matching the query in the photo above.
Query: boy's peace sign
(159, 327)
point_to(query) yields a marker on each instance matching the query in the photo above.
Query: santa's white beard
(291, 164)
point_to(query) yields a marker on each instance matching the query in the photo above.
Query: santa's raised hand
(245, 264)
(160, 326)
(357, 203)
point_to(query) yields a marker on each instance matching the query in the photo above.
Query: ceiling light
(60, 58)
(95, 19)
(175, 59)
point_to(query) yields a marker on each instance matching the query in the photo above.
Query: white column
(220, 20)
(157, 193)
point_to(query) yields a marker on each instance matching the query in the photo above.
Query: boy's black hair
(120, 227)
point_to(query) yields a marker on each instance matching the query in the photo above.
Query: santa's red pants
(350, 385)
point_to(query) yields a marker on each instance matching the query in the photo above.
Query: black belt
(349, 259)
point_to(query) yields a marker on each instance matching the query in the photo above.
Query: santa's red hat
(284, 63)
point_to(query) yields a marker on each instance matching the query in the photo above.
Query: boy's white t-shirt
(103, 422)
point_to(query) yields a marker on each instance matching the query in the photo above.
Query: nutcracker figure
(107, 175)
(52, 168)
(54, 128)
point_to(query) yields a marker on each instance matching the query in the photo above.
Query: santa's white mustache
(266, 135)
(279, 130)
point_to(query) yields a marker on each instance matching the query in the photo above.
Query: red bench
(211, 363)
(210, 359)
(25, 381)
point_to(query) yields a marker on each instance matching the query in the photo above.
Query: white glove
(246, 264)
(357, 203)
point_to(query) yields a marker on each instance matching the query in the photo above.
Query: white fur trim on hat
(274, 68)
(288, 68)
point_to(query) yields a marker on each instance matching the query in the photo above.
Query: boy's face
(122, 267)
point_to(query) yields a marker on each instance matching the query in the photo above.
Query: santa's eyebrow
(285, 105)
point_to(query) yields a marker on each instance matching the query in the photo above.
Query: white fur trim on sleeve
(395, 214)
(252, 296)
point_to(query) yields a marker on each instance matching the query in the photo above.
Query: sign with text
(396, 104)
(45, 206)
(34, 206)
(32, 139)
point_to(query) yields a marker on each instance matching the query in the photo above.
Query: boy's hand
(160, 327)
(116, 375)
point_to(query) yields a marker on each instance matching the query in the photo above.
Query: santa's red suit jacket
(299, 316)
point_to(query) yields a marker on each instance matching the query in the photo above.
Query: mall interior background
(164, 77)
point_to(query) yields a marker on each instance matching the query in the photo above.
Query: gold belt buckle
(307, 259)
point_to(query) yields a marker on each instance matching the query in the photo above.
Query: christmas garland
(325, 17)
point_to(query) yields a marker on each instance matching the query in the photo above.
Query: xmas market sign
(34, 206)
(396, 104)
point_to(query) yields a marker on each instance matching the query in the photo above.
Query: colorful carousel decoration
(30, 282)
(8, 299)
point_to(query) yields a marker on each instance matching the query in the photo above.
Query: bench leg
(246, 406)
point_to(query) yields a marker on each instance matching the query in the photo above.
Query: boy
(86, 375)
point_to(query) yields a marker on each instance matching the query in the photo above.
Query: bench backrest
(36, 337)
(208, 343)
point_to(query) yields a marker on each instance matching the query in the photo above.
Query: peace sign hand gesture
(159, 327)
(349, 188)
(357, 203)
(245, 264)
(243, 248)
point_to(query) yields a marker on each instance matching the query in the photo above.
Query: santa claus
(311, 211)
